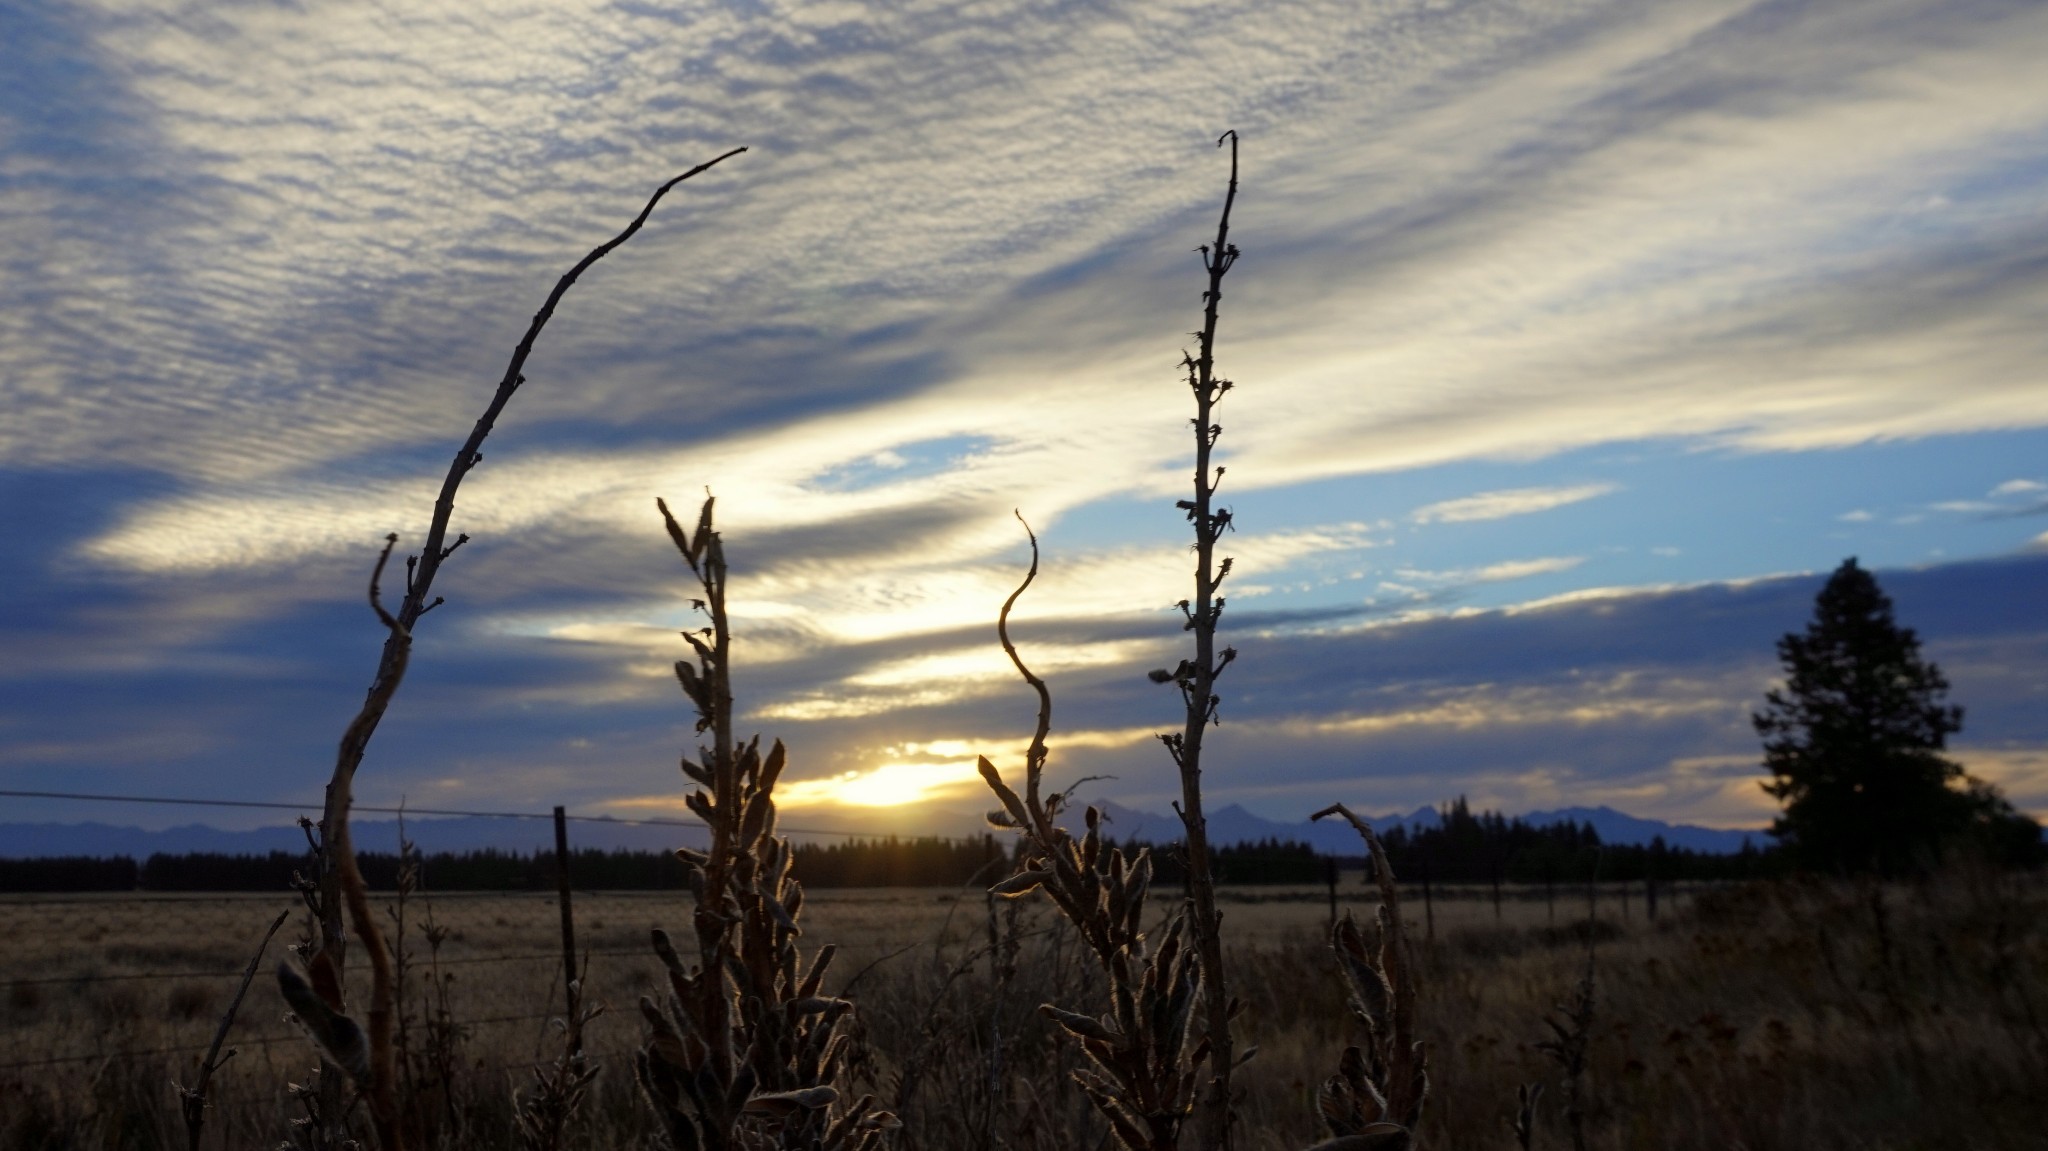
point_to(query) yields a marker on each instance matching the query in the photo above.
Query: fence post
(568, 915)
(1428, 905)
(1330, 878)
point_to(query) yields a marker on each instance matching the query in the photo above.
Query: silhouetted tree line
(1466, 847)
(926, 861)
(485, 870)
(890, 861)
(1487, 847)
(1269, 861)
(68, 873)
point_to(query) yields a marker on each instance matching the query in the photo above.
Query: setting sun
(890, 785)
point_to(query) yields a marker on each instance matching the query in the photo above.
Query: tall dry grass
(1769, 1016)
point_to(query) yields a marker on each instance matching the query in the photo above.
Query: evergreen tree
(1853, 741)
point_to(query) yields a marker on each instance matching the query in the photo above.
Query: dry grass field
(1772, 1016)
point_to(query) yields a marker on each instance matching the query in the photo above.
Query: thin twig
(192, 1100)
(1034, 758)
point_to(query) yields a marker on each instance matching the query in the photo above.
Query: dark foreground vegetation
(1774, 1014)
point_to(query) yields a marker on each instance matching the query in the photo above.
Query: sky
(1574, 344)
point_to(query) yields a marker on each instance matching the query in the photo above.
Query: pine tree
(1853, 741)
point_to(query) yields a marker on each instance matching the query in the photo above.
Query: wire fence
(71, 980)
(314, 809)
(266, 1041)
(260, 1041)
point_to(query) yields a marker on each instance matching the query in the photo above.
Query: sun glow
(890, 785)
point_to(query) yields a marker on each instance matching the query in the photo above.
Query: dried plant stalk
(748, 1049)
(340, 884)
(541, 1114)
(1197, 677)
(1144, 1051)
(1375, 1099)
(1572, 1036)
(1152, 1052)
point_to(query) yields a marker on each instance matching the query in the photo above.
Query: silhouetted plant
(1196, 678)
(1145, 1061)
(1571, 1029)
(316, 997)
(1163, 1053)
(1375, 1099)
(746, 1051)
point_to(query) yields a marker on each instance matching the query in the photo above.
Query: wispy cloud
(358, 217)
(1501, 572)
(1500, 505)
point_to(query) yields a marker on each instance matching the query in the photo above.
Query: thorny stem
(340, 882)
(1197, 680)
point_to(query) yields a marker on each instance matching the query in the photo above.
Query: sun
(887, 785)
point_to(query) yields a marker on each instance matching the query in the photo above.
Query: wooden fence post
(1428, 905)
(569, 987)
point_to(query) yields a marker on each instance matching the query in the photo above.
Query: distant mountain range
(1232, 824)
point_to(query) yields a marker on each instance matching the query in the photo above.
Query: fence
(1429, 894)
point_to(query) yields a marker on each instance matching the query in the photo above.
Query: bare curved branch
(1034, 759)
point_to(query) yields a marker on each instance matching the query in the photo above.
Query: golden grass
(1760, 1017)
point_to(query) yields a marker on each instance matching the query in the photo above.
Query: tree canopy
(1854, 739)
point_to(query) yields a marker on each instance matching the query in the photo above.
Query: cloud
(883, 299)
(1515, 194)
(2021, 773)
(1502, 572)
(1502, 504)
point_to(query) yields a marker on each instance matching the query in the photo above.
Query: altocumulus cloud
(261, 265)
